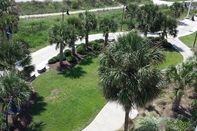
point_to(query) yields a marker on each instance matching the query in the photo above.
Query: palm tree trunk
(86, 39)
(145, 31)
(73, 48)
(106, 39)
(126, 123)
(177, 101)
(61, 54)
(130, 22)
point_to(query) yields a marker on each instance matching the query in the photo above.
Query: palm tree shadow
(87, 60)
(75, 72)
(39, 105)
(37, 126)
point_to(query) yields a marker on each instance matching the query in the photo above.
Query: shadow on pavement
(178, 48)
(182, 23)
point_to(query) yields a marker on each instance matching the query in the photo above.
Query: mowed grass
(172, 58)
(76, 99)
(188, 39)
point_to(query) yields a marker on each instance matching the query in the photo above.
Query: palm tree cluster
(126, 70)
(67, 33)
(15, 61)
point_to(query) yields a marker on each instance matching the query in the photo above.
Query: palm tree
(16, 53)
(131, 13)
(89, 22)
(59, 34)
(181, 75)
(76, 31)
(107, 24)
(177, 8)
(9, 17)
(149, 18)
(11, 85)
(168, 26)
(125, 72)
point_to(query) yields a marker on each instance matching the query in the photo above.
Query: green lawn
(172, 58)
(77, 101)
(188, 39)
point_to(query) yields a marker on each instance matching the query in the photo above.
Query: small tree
(131, 13)
(76, 31)
(177, 8)
(89, 22)
(59, 34)
(125, 72)
(149, 18)
(106, 25)
(181, 75)
(16, 53)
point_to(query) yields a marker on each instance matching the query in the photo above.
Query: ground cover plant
(36, 7)
(72, 97)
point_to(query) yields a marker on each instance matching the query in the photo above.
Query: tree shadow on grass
(39, 105)
(87, 60)
(36, 126)
(75, 72)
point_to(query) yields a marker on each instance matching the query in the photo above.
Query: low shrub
(67, 52)
(99, 40)
(81, 49)
(97, 46)
(58, 57)
(71, 59)
(53, 60)
(90, 43)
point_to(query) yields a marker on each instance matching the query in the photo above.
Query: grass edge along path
(188, 40)
(69, 100)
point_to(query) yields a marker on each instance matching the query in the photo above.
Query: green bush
(81, 49)
(71, 59)
(67, 52)
(97, 46)
(101, 40)
(53, 60)
(58, 57)
(90, 43)
(75, 5)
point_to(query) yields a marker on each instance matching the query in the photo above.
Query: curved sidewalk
(111, 117)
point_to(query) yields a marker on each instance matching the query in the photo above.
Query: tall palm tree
(59, 35)
(149, 18)
(16, 53)
(89, 22)
(168, 26)
(177, 8)
(181, 75)
(11, 85)
(125, 72)
(131, 13)
(106, 25)
(76, 31)
(9, 16)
